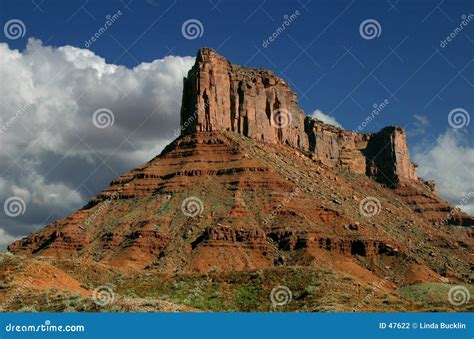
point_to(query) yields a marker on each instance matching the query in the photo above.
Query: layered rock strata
(252, 183)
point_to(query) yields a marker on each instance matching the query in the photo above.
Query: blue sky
(321, 53)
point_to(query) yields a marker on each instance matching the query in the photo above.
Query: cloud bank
(53, 154)
(450, 163)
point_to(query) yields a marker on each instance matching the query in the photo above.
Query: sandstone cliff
(220, 96)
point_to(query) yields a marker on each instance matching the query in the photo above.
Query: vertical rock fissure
(240, 94)
(268, 110)
(232, 103)
(207, 114)
(276, 120)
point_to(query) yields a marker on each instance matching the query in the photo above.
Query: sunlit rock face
(221, 96)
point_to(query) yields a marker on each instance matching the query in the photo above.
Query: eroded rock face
(220, 96)
(335, 146)
(388, 157)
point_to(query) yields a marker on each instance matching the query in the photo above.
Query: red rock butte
(269, 187)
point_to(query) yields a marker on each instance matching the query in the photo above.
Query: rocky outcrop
(387, 157)
(290, 241)
(220, 96)
(335, 146)
(424, 201)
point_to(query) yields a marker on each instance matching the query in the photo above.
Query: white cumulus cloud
(450, 163)
(327, 119)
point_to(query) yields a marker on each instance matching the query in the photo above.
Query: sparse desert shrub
(246, 297)
(346, 298)
(310, 290)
